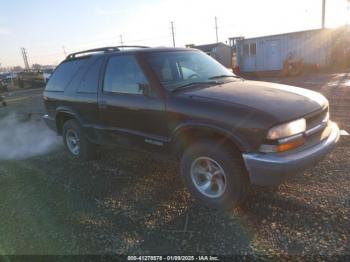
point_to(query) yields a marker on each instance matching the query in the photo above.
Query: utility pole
(25, 58)
(121, 40)
(323, 14)
(348, 12)
(216, 29)
(172, 32)
(64, 51)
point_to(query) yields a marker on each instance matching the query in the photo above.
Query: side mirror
(145, 89)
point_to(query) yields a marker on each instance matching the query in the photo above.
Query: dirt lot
(135, 203)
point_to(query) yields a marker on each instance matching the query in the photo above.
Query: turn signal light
(290, 145)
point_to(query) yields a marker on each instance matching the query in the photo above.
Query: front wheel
(215, 174)
(78, 146)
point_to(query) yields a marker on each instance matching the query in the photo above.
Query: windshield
(181, 68)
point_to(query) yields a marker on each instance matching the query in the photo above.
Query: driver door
(130, 109)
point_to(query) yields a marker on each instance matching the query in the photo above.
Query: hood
(281, 101)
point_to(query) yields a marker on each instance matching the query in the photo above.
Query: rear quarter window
(89, 82)
(64, 73)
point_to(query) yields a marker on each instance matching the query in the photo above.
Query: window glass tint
(89, 83)
(180, 68)
(63, 75)
(123, 75)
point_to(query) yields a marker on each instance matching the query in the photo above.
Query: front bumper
(50, 122)
(273, 168)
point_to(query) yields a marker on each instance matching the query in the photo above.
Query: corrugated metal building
(219, 51)
(268, 53)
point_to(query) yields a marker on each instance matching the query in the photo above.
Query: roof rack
(104, 50)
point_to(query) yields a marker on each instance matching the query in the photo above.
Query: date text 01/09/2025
(172, 258)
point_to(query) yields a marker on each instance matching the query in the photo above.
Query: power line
(91, 44)
(172, 32)
(148, 39)
(53, 53)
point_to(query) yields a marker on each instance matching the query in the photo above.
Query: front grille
(316, 119)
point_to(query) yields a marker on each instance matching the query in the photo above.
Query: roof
(208, 47)
(109, 50)
(289, 33)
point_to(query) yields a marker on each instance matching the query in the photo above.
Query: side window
(64, 74)
(246, 49)
(163, 69)
(123, 75)
(253, 49)
(249, 49)
(89, 83)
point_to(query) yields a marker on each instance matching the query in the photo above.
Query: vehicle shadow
(132, 202)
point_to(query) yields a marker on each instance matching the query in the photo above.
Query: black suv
(227, 132)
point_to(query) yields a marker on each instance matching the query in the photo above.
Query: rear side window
(89, 83)
(64, 74)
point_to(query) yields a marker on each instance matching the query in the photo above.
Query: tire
(73, 135)
(218, 195)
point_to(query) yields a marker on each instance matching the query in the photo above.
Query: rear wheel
(77, 145)
(215, 174)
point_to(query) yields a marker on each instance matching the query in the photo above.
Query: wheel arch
(64, 114)
(187, 134)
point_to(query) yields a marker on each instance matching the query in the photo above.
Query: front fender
(235, 138)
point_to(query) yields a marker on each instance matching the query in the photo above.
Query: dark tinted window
(89, 82)
(63, 75)
(123, 75)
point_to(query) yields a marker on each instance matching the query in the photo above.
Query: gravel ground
(134, 203)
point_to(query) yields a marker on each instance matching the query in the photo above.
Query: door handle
(102, 104)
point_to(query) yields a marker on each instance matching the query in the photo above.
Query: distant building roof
(208, 47)
(288, 33)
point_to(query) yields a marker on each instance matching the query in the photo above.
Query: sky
(44, 27)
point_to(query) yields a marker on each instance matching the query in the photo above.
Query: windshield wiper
(222, 76)
(195, 84)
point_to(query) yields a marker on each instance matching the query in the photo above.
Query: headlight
(288, 129)
(326, 118)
